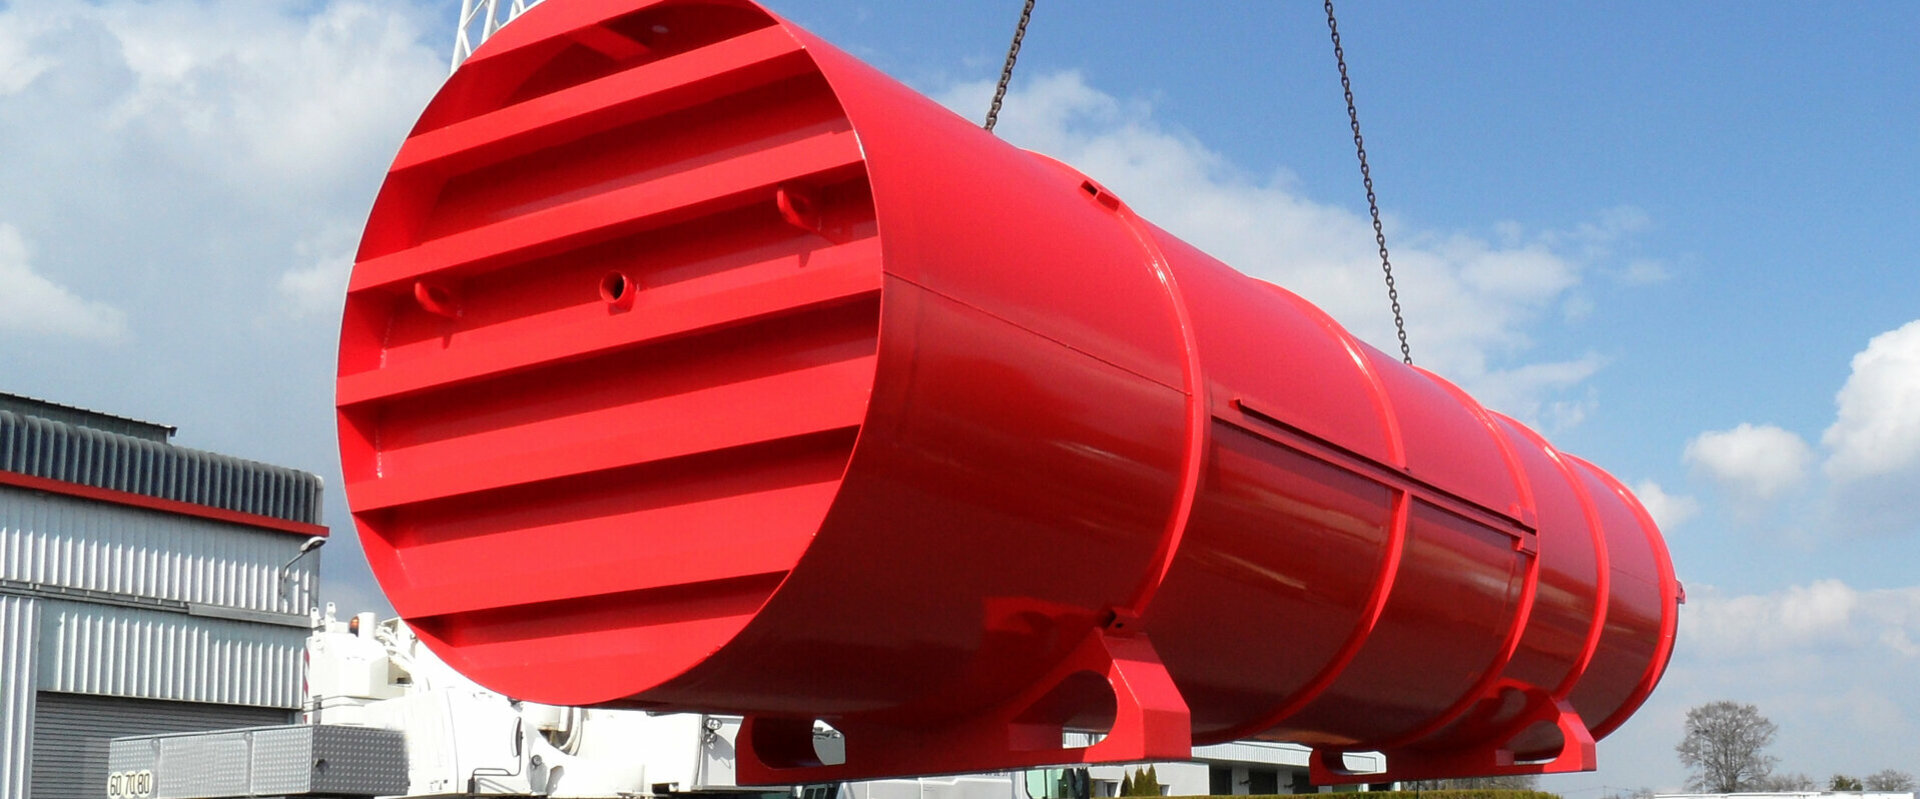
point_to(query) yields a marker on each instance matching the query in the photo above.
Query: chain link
(1006, 72)
(1366, 179)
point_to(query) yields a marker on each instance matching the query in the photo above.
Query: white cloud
(186, 169)
(1470, 299)
(1644, 272)
(1872, 452)
(1823, 616)
(1877, 431)
(1522, 391)
(18, 66)
(1577, 309)
(1826, 660)
(1597, 237)
(1753, 462)
(275, 97)
(1669, 510)
(30, 303)
(319, 286)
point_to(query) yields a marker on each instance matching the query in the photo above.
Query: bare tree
(1725, 747)
(1790, 781)
(1889, 780)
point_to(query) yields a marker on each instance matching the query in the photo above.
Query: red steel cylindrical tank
(690, 363)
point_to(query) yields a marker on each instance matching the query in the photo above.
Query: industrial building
(144, 588)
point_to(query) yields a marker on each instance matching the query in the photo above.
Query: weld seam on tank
(1560, 695)
(1496, 670)
(1333, 454)
(1669, 607)
(1336, 667)
(1199, 415)
(1399, 519)
(1042, 335)
(1603, 563)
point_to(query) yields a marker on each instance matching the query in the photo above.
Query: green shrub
(1140, 782)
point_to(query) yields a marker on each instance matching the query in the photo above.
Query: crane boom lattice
(480, 19)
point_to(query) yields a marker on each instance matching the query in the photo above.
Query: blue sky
(1679, 238)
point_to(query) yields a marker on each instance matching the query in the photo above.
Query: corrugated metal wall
(19, 629)
(71, 751)
(82, 417)
(98, 649)
(59, 451)
(118, 620)
(71, 543)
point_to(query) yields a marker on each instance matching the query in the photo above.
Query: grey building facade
(144, 588)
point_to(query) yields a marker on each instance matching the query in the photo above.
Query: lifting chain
(1366, 179)
(1006, 72)
(1359, 147)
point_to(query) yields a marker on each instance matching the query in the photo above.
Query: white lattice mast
(479, 19)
